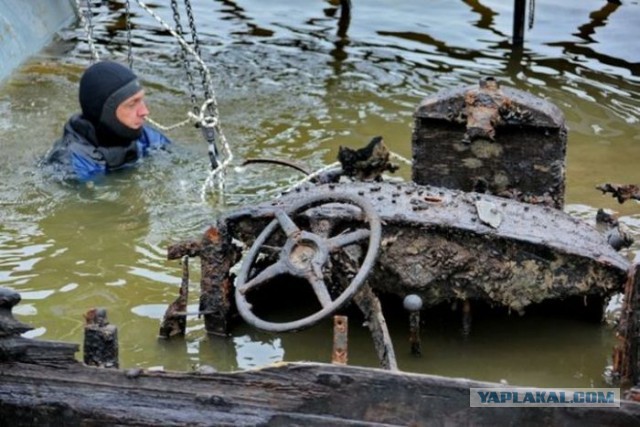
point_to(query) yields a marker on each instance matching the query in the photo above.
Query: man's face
(132, 112)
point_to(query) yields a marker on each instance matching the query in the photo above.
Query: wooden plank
(288, 394)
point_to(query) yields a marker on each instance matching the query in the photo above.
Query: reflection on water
(291, 82)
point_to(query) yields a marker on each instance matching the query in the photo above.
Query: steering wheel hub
(302, 255)
(305, 255)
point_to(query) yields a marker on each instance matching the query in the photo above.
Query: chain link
(204, 69)
(210, 121)
(210, 104)
(86, 19)
(196, 47)
(184, 57)
(128, 26)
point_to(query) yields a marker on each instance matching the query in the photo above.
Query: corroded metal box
(491, 139)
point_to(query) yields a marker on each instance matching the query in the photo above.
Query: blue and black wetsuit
(77, 155)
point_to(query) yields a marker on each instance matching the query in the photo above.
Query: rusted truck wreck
(480, 221)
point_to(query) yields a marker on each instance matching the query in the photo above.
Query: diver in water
(110, 133)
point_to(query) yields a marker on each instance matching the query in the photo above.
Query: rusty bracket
(189, 248)
(217, 255)
(175, 318)
(414, 333)
(487, 107)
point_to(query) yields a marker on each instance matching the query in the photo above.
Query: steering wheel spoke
(346, 239)
(264, 276)
(320, 289)
(286, 223)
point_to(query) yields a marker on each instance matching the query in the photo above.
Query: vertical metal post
(217, 256)
(340, 340)
(519, 12)
(345, 18)
(466, 318)
(370, 306)
(414, 333)
(100, 340)
(626, 353)
(413, 304)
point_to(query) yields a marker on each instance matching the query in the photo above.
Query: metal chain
(85, 14)
(208, 131)
(196, 45)
(182, 42)
(532, 9)
(128, 26)
(209, 110)
(184, 58)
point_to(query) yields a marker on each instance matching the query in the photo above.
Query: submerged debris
(488, 213)
(617, 236)
(217, 255)
(100, 340)
(9, 326)
(368, 163)
(620, 191)
(626, 353)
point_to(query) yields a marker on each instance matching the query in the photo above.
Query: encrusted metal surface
(445, 244)
(491, 139)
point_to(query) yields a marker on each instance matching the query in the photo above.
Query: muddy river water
(289, 87)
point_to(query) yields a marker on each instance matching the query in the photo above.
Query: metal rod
(414, 333)
(519, 12)
(413, 304)
(466, 318)
(340, 340)
(345, 18)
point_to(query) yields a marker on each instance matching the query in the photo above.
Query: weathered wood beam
(36, 389)
(49, 353)
(290, 394)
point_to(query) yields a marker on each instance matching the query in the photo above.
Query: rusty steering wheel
(303, 255)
